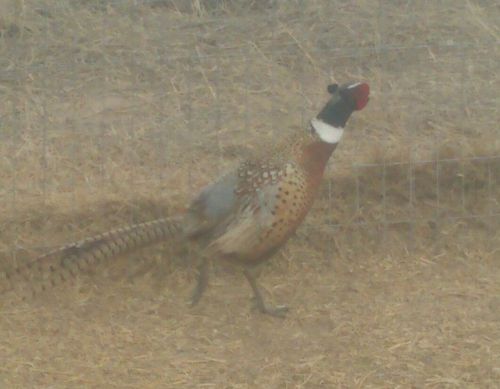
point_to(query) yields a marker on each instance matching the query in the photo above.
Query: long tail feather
(57, 266)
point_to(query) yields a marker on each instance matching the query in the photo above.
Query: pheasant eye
(361, 93)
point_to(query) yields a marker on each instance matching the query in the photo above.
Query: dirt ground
(116, 112)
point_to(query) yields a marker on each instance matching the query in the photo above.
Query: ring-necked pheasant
(244, 217)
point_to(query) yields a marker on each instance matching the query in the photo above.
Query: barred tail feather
(57, 266)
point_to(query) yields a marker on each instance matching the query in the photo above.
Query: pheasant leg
(278, 311)
(202, 282)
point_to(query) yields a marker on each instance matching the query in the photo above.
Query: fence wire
(103, 98)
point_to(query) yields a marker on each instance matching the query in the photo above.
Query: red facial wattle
(361, 94)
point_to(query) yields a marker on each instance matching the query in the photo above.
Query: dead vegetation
(116, 111)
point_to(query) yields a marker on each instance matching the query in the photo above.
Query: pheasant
(243, 217)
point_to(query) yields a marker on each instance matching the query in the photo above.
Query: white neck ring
(326, 132)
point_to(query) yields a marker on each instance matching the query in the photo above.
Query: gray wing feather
(212, 206)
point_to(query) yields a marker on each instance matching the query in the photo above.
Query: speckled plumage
(271, 198)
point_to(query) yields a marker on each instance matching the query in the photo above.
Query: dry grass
(116, 111)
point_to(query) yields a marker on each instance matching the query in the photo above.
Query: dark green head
(345, 99)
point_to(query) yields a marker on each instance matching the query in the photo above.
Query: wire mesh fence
(126, 99)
